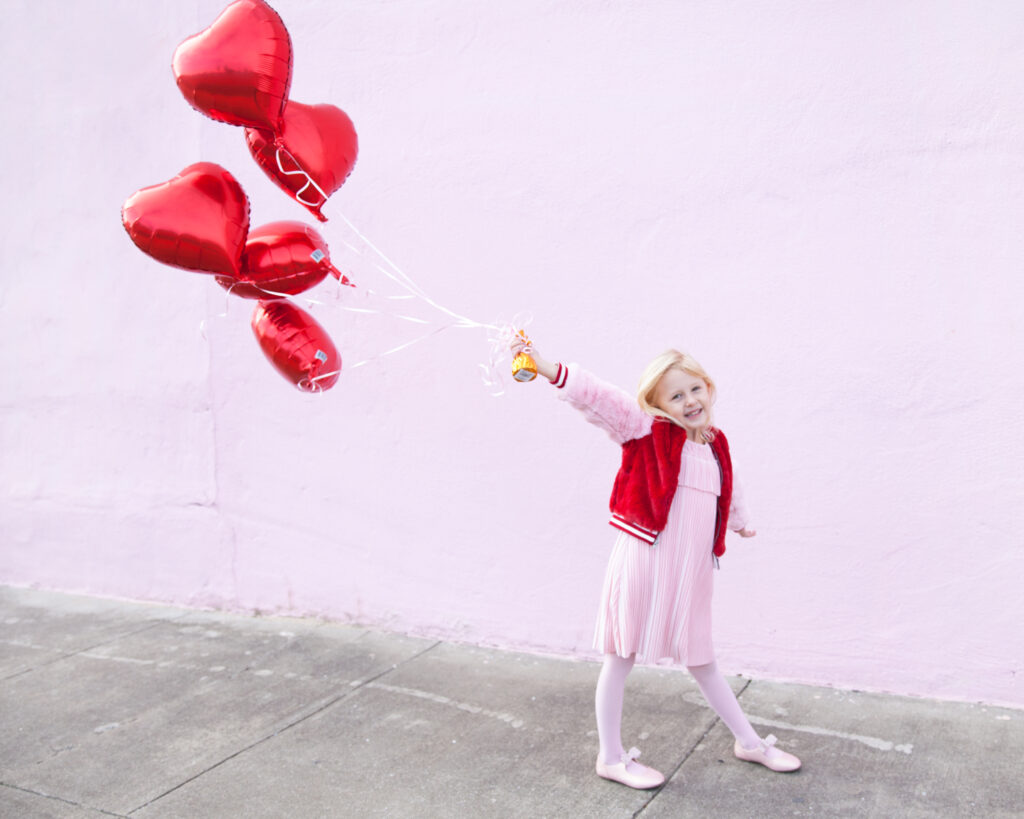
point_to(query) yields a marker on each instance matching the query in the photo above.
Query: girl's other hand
(744, 532)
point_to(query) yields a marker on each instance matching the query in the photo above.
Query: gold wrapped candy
(524, 368)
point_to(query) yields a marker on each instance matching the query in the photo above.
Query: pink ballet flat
(779, 761)
(631, 773)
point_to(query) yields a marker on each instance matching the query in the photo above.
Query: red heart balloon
(198, 220)
(296, 345)
(312, 156)
(239, 69)
(281, 258)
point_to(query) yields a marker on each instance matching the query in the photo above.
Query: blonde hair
(672, 360)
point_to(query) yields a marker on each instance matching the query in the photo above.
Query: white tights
(720, 697)
(611, 687)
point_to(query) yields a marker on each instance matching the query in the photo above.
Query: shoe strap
(768, 741)
(630, 755)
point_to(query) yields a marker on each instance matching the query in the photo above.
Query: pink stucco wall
(822, 201)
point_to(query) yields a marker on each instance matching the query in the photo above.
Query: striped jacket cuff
(561, 375)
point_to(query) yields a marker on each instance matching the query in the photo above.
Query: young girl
(672, 500)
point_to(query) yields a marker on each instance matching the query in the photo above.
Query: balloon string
(410, 292)
(382, 313)
(500, 334)
(299, 172)
(407, 295)
(227, 307)
(399, 348)
(289, 297)
(494, 370)
(408, 284)
(406, 281)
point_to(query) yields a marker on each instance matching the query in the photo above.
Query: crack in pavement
(317, 708)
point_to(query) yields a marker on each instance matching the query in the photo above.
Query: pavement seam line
(240, 751)
(675, 770)
(502, 716)
(877, 743)
(14, 787)
(67, 655)
(688, 754)
(357, 684)
(353, 689)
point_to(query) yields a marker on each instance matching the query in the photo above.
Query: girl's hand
(744, 532)
(519, 344)
(544, 367)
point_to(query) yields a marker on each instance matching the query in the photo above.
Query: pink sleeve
(739, 515)
(602, 404)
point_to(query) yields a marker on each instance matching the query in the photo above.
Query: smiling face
(686, 399)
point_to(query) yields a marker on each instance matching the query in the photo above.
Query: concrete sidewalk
(126, 709)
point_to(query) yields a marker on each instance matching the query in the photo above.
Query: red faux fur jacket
(651, 454)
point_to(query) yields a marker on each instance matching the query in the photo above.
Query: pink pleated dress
(656, 600)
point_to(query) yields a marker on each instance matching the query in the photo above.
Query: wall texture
(822, 201)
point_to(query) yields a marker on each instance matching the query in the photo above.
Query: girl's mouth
(693, 413)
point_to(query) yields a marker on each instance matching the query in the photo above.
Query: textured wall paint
(822, 201)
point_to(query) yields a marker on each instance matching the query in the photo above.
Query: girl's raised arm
(544, 367)
(602, 404)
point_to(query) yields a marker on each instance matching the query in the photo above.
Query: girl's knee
(703, 669)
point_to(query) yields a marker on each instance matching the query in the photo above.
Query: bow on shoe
(638, 776)
(765, 754)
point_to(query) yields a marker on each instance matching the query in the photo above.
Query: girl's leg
(611, 687)
(613, 762)
(749, 746)
(720, 697)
